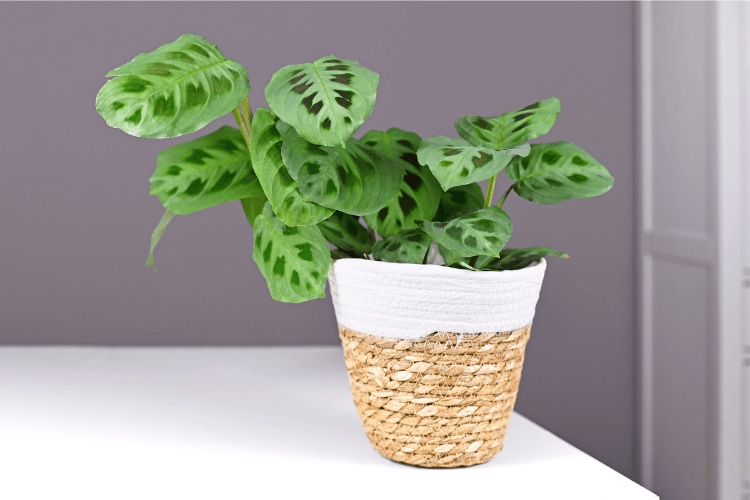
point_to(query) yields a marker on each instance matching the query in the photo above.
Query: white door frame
(720, 250)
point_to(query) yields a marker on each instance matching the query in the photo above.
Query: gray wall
(76, 216)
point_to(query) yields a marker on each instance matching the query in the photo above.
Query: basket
(441, 401)
(429, 390)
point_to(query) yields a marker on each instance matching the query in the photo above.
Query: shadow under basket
(444, 400)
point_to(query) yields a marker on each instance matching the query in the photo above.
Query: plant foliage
(312, 193)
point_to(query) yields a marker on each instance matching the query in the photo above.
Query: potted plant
(434, 314)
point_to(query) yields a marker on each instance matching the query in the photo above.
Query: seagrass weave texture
(441, 401)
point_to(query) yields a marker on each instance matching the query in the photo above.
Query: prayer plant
(312, 192)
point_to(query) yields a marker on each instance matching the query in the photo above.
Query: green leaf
(419, 193)
(408, 246)
(557, 172)
(282, 191)
(484, 232)
(455, 162)
(357, 180)
(204, 172)
(517, 258)
(345, 231)
(293, 260)
(326, 101)
(157, 234)
(459, 201)
(177, 89)
(253, 207)
(510, 129)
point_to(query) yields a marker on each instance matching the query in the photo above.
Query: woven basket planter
(434, 357)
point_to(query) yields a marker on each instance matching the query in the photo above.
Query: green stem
(244, 116)
(490, 192)
(502, 200)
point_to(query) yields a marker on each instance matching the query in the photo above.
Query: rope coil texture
(444, 400)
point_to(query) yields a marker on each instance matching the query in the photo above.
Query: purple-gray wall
(76, 214)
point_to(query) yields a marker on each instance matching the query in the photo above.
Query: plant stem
(502, 200)
(244, 116)
(490, 192)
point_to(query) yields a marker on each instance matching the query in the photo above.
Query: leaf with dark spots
(455, 162)
(177, 89)
(205, 172)
(296, 80)
(383, 213)
(345, 232)
(511, 129)
(557, 172)
(511, 259)
(326, 124)
(419, 191)
(345, 91)
(370, 143)
(461, 236)
(356, 180)
(409, 246)
(295, 261)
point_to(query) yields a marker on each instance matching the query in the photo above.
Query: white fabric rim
(409, 301)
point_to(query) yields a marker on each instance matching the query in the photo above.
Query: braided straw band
(444, 400)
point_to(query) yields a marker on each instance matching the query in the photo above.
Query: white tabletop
(226, 423)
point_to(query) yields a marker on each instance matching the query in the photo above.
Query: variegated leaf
(204, 172)
(253, 207)
(420, 192)
(293, 260)
(177, 89)
(517, 258)
(282, 191)
(557, 172)
(357, 180)
(325, 101)
(459, 201)
(408, 246)
(484, 232)
(345, 231)
(455, 162)
(511, 129)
